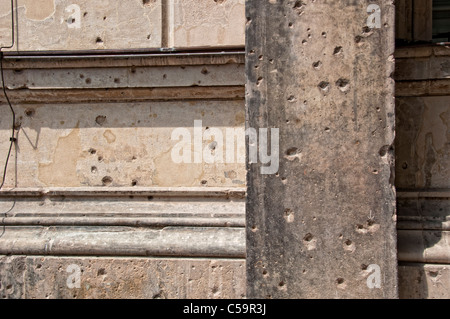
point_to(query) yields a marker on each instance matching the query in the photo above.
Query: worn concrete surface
(109, 135)
(203, 23)
(42, 277)
(92, 175)
(424, 281)
(134, 24)
(422, 175)
(315, 227)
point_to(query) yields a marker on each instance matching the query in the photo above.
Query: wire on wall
(12, 139)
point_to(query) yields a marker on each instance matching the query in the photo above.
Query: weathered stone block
(38, 277)
(324, 225)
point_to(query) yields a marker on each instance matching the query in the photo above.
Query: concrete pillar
(324, 224)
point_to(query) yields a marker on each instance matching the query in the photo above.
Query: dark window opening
(441, 20)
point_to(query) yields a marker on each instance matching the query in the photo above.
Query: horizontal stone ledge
(35, 96)
(425, 246)
(138, 77)
(421, 51)
(422, 88)
(181, 192)
(124, 221)
(414, 194)
(430, 68)
(72, 59)
(124, 241)
(422, 223)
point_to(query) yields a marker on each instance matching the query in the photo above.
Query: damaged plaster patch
(170, 174)
(38, 10)
(62, 171)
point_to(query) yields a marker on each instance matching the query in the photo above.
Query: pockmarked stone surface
(43, 25)
(43, 277)
(324, 224)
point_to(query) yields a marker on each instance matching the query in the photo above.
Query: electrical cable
(13, 133)
(12, 139)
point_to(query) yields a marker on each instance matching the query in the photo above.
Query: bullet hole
(100, 158)
(281, 284)
(405, 165)
(149, 36)
(337, 50)
(88, 81)
(364, 267)
(212, 146)
(324, 86)
(148, 2)
(81, 76)
(317, 65)
(94, 169)
(92, 151)
(99, 40)
(219, 1)
(304, 42)
(107, 180)
(258, 82)
(384, 150)
(433, 274)
(308, 237)
(375, 172)
(291, 98)
(367, 31)
(289, 215)
(327, 129)
(290, 24)
(261, 57)
(149, 198)
(343, 85)
(340, 281)
(164, 76)
(18, 71)
(101, 272)
(271, 61)
(324, 34)
(38, 266)
(358, 39)
(100, 120)
(309, 29)
(85, 14)
(134, 158)
(205, 71)
(299, 6)
(134, 182)
(117, 80)
(204, 182)
(104, 18)
(348, 242)
(133, 70)
(248, 21)
(264, 272)
(292, 151)
(30, 112)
